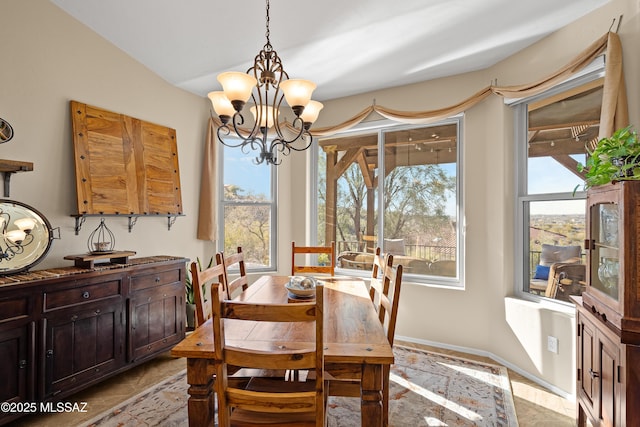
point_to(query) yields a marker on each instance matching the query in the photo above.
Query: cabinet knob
(22, 364)
(593, 374)
(157, 280)
(85, 295)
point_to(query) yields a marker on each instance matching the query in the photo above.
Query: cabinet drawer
(82, 294)
(144, 281)
(14, 309)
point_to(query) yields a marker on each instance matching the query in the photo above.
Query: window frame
(380, 127)
(522, 198)
(273, 211)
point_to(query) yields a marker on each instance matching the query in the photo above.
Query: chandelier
(267, 84)
(14, 240)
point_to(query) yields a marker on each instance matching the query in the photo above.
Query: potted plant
(615, 158)
(190, 296)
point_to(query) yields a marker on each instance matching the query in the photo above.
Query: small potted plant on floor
(616, 158)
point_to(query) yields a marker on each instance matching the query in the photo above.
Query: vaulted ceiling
(346, 47)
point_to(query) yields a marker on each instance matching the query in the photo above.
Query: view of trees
(247, 221)
(415, 200)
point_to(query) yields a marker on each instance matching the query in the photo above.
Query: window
(247, 194)
(410, 206)
(553, 131)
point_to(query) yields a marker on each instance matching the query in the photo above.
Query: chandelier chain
(268, 32)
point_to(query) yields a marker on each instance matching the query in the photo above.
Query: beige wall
(485, 316)
(49, 59)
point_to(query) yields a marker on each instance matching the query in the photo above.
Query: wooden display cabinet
(608, 313)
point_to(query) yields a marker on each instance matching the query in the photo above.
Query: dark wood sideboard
(65, 329)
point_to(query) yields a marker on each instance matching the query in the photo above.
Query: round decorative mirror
(6, 131)
(26, 237)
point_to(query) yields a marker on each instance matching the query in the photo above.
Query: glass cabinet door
(605, 262)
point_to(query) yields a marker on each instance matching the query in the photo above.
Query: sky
(239, 169)
(545, 175)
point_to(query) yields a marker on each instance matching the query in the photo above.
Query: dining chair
(268, 399)
(240, 283)
(304, 268)
(380, 263)
(387, 300)
(385, 295)
(202, 280)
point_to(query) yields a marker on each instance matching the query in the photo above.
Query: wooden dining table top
(352, 332)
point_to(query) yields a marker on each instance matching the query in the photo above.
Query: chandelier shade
(221, 105)
(25, 224)
(16, 236)
(237, 86)
(311, 112)
(268, 88)
(297, 92)
(264, 117)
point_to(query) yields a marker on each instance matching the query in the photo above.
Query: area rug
(427, 389)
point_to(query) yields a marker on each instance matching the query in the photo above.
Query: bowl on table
(301, 286)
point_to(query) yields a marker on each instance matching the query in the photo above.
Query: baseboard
(569, 396)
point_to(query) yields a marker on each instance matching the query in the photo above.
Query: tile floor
(535, 406)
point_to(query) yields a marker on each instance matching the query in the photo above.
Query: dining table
(355, 344)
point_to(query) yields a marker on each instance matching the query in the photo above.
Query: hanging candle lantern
(101, 240)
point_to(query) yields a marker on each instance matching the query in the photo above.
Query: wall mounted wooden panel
(124, 165)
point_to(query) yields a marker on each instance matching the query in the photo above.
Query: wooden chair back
(380, 263)
(240, 283)
(202, 280)
(268, 399)
(303, 268)
(384, 290)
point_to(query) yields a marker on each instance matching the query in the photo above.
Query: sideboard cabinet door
(17, 351)
(601, 382)
(156, 310)
(15, 361)
(83, 329)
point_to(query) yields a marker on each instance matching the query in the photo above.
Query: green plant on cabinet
(615, 158)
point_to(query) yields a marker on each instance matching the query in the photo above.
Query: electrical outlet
(552, 344)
